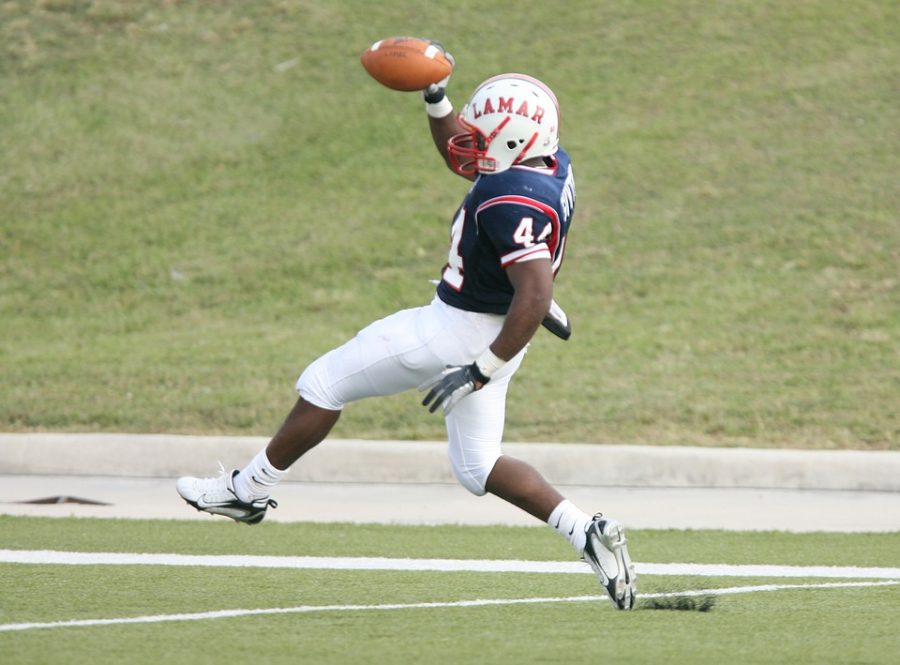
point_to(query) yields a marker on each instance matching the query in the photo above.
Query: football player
(507, 243)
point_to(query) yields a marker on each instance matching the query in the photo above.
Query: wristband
(488, 363)
(439, 109)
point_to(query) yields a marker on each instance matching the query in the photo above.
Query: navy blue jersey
(520, 214)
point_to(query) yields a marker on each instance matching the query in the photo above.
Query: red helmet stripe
(497, 130)
(526, 148)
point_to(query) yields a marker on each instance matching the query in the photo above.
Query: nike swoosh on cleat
(202, 501)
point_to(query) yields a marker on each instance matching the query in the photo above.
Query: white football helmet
(510, 118)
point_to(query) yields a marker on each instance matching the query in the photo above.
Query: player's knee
(313, 386)
(473, 474)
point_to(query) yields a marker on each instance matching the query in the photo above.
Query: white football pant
(404, 350)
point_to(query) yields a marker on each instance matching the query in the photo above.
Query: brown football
(406, 63)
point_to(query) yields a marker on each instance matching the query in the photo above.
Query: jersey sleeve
(520, 228)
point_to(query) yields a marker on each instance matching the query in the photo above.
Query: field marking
(441, 565)
(306, 609)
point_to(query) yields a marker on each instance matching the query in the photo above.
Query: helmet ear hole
(513, 144)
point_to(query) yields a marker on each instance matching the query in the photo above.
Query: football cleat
(606, 552)
(217, 496)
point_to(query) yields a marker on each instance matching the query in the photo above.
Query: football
(406, 63)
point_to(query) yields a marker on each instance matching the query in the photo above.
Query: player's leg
(388, 356)
(520, 484)
(305, 427)
(475, 430)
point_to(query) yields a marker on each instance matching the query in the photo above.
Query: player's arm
(442, 119)
(442, 129)
(533, 284)
(522, 231)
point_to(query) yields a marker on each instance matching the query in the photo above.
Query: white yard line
(305, 609)
(440, 565)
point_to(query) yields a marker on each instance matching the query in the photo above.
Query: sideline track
(131, 476)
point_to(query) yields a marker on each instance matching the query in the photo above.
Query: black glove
(557, 322)
(452, 385)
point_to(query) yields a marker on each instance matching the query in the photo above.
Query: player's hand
(436, 91)
(451, 385)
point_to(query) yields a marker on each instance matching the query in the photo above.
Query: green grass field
(799, 625)
(198, 198)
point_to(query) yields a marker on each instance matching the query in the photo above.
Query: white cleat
(217, 496)
(606, 552)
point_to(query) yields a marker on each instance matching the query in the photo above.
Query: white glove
(435, 92)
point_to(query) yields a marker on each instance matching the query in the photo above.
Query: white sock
(258, 478)
(570, 523)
